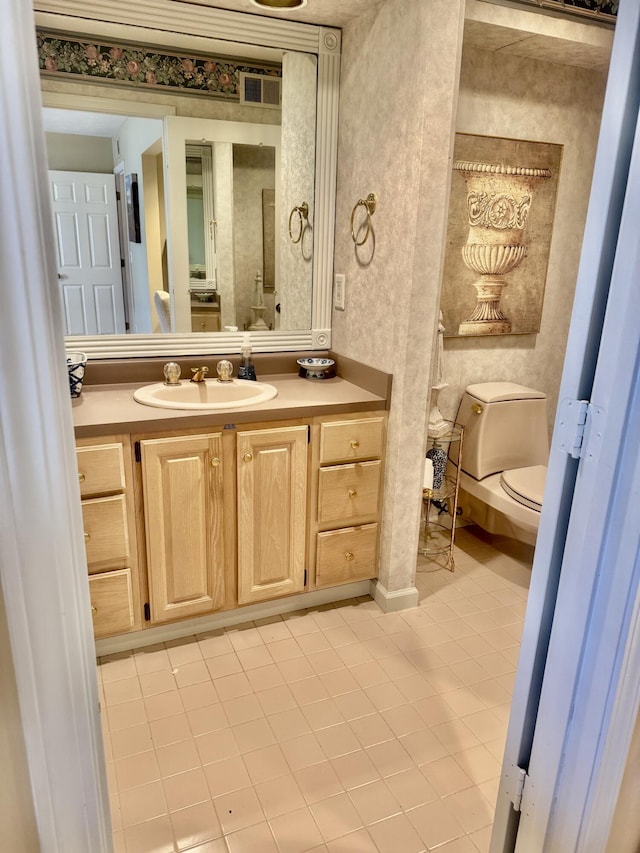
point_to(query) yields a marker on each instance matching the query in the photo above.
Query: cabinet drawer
(348, 441)
(100, 469)
(205, 321)
(346, 555)
(111, 603)
(105, 531)
(347, 492)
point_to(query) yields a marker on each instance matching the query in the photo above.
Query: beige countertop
(111, 408)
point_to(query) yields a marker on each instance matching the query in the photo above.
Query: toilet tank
(505, 427)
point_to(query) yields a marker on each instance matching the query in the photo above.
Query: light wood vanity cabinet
(272, 512)
(348, 495)
(233, 516)
(106, 489)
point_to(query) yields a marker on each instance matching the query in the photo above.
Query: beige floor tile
(296, 832)
(163, 705)
(300, 623)
(368, 674)
(253, 735)
(184, 650)
(354, 705)
(308, 690)
(243, 709)
(355, 654)
(245, 637)
(238, 810)
(284, 650)
(491, 692)
(217, 846)
(339, 681)
(273, 700)
(223, 665)
(177, 758)
(422, 746)
(275, 631)
(226, 776)
(213, 645)
(195, 825)
(411, 788)
(443, 679)
(217, 745)
(198, 695)
(390, 757)
(153, 835)
(458, 845)
(209, 718)
(374, 801)
(137, 770)
(336, 816)
(142, 803)
(322, 714)
(446, 776)
(151, 659)
(264, 677)
(326, 618)
(131, 741)
(232, 686)
(325, 661)
(496, 664)
(489, 791)
(191, 673)
(403, 719)
(122, 690)
(267, 763)
(371, 730)
(313, 643)
(255, 657)
(117, 667)
(478, 763)
(281, 798)
(161, 681)
(126, 714)
(471, 808)
(186, 789)
(289, 724)
(253, 839)
(481, 839)
(486, 725)
(119, 844)
(318, 782)
(380, 648)
(295, 669)
(356, 842)
(355, 769)
(338, 740)
(435, 823)
(303, 751)
(385, 696)
(394, 834)
(341, 635)
(464, 700)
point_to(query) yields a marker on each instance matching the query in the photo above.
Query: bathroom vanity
(192, 514)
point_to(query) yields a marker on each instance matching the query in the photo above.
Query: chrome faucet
(199, 374)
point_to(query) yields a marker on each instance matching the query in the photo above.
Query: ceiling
(87, 124)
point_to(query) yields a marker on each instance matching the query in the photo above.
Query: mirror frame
(183, 25)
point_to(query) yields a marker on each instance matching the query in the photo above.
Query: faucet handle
(224, 369)
(171, 372)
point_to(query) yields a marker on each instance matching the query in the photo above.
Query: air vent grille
(260, 91)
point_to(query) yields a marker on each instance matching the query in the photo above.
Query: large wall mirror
(223, 210)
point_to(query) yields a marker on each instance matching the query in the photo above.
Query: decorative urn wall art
(499, 197)
(501, 211)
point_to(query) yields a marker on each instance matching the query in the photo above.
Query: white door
(89, 272)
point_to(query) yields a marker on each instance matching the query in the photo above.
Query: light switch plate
(338, 291)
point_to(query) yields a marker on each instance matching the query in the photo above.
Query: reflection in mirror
(241, 270)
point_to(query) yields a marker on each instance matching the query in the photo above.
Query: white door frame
(42, 561)
(577, 651)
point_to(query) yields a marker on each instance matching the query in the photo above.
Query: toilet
(505, 451)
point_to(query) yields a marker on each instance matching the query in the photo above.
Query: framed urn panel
(501, 211)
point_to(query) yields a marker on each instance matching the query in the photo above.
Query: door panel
(86, 230)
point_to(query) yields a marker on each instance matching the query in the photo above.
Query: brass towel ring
(370, 203)
(303, 219)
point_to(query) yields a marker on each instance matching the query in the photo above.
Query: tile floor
(340, 729)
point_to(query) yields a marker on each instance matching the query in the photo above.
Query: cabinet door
(272, 510)
(183, 501)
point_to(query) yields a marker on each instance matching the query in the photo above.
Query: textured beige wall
(520, 98)
(17, 821)
(399, 82)
(72, 152)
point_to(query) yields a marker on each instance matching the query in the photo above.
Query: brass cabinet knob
(215, 461)
(248, 457)
(87, 536)
(81, 477)
(348, 556)
(353, 493)
(355, 444)
(94, 609)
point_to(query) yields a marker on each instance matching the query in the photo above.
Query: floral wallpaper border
(605, 10)
(138, 66)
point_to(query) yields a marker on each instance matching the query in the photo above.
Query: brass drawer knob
(215, 461)
(349, 556)
(248, 457)
(81, 477)
(353, 493)
(87, 536)
(355, 444)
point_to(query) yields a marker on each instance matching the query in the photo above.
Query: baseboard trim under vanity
(214, 621)
(391, 602)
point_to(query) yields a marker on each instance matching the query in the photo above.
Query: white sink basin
(207, 395)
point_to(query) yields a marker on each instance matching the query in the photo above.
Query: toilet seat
(525, 485)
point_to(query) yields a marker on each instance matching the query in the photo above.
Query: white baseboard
(213, 621)
(391, 602)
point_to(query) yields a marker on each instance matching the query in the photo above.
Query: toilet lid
(525, 485)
